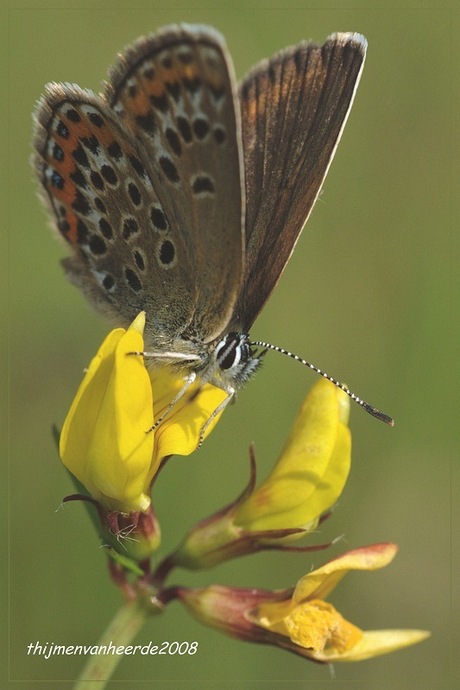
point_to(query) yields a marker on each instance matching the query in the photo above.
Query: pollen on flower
(317, 625)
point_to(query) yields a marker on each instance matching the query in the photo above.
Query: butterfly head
(235, 361)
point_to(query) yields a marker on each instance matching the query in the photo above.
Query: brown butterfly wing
(294, 107)
(176, 93)
(144, 181)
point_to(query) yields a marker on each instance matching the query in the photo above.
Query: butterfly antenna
(362, 403)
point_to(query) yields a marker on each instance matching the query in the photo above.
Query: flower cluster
(112, 446)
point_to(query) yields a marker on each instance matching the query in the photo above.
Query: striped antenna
(362, 403)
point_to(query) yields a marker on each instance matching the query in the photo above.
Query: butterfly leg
(220, 408)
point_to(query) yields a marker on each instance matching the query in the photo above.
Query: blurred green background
(366, 297)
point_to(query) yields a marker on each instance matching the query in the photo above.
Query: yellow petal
(104, 441)
(320, 582)
(374, 643)
(313, 624)
(179, 433)
(317, 625)
(312, 469)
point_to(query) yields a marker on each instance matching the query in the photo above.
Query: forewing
(175, 91)
(294, 107)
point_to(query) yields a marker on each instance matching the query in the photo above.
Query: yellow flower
(299, 620)
(306, 481)
(312, 469)
(107, 440)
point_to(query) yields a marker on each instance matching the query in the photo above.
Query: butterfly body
(183, 194)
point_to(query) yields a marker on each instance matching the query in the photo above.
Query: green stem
(121, 631)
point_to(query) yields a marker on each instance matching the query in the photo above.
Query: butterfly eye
(232, 351)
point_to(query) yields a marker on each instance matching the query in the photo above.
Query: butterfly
(183, 193)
